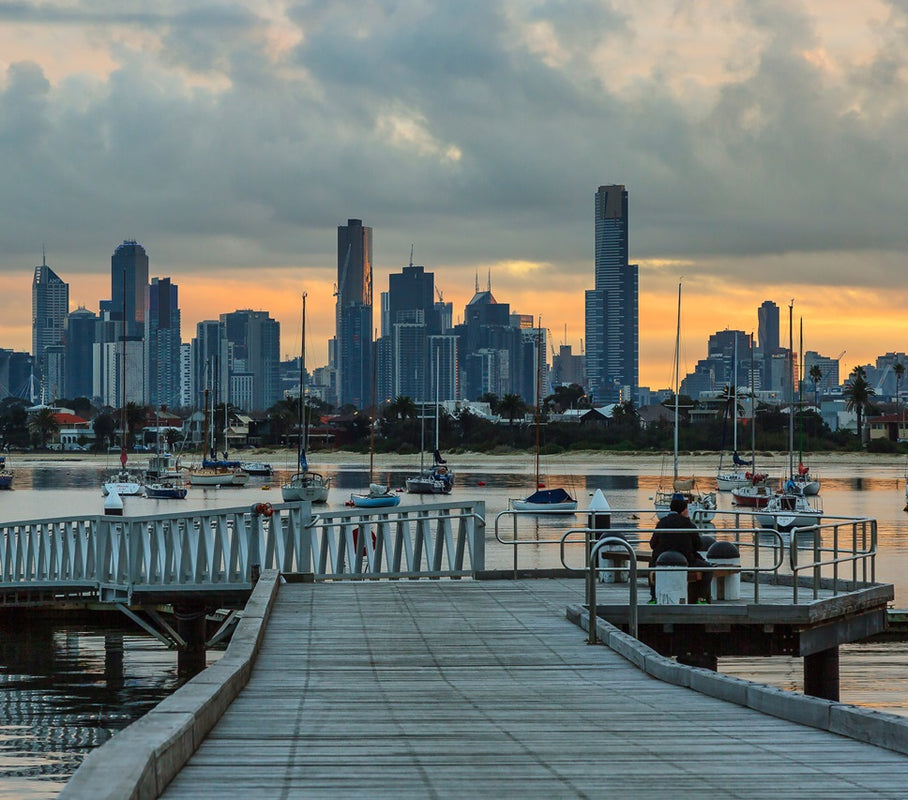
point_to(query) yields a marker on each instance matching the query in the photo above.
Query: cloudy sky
(763, 144)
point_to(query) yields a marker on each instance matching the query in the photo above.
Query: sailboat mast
(437, 380)
(123, 455)
(677, 377)
(791, 388)
(536, 413)
(302, 428)
(734, 378)
(800, 398)
(753, 410)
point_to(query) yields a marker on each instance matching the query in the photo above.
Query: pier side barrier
(879, 728)
(139, 761)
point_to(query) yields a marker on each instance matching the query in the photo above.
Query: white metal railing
(444, 539)
(222, 549)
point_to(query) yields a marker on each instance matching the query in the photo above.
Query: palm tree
(511, 406)
(42, 424)
(816, 375)
(403, 407)
(857, 397)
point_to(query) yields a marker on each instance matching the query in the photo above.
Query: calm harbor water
(68, 687)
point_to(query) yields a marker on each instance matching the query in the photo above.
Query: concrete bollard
(671, 583)
(599, 518)
(706, 541)
(725, 587)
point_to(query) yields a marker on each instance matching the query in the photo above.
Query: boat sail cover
(740, 462)
(544, 496)
(437, 457)
(304, 466)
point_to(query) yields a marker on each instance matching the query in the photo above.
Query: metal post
(190, 619)
(591, 585)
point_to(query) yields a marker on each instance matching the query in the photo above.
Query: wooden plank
(474, 689)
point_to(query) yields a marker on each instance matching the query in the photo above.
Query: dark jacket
(667, 536)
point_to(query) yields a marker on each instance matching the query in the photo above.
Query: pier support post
(113, 660)
(821, 674)
(704, 660)
(190, 619)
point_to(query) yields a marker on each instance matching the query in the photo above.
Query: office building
(612, 352)
(254, 350)
(353, 314)
(79, 338)
(50, 305)
(162, 342)
(209, 362)
(129, 287)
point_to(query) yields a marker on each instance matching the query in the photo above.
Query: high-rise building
(612, 351)
(79, 338)
(129, 287)
(50, 305)
(185, 374)
(209, 362)
(354, 314)
(162, 342)
(254, 351)
(768, 326)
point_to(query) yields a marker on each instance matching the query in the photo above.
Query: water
(64, 693)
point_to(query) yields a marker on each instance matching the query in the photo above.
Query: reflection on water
(66, 688)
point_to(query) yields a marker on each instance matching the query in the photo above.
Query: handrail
(591, 585)
(865, 553)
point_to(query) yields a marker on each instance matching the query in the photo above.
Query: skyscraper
(129, 265)
(254, 348)
(354, 314)
(612, 352)
(162, 342)
(50, 305)
(79, 336)
(768, 326)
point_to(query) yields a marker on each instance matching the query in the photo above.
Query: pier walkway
(462, 688)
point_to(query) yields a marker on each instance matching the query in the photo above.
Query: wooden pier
(484, 689)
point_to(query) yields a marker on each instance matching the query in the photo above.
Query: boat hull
(787, 511)
(218, 478)
(311, 487)
(566, 507)
(752, 496)
(159, 492)
(732, 480)
(427, 484)
(378, 501)
(123, 488)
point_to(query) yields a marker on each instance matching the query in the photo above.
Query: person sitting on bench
(675, 531)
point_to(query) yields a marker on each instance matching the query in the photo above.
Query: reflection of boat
(305, 485)
(544, 501)
(165, 490)
(378, 496)
(702, 506)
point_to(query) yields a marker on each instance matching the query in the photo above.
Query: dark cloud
(235, 134)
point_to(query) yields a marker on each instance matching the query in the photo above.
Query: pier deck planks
(461, 689)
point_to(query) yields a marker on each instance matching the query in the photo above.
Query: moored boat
(378, 496)
(547, 501)
(785, 511)
(257, 468)
(165, 490)
(218, 476)
(124, 483)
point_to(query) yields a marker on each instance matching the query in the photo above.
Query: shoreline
(699, 462)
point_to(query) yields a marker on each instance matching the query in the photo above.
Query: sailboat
(378, 495)
(304, 485)
(789, 508)
(542, 500)
(758, 491)
(123, 482)
(726, 481)
(800, 479)
(702, 506)
(214, 472)
(439, 479)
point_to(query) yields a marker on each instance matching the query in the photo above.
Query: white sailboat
(215, 472)
(304, 485)
(736, 478)
(439, 479)
(124, 482)
(702, 506)
(789, 508)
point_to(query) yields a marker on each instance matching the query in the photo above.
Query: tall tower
(768, 326)
(129, 264)
(162, 341)
(81, 325)
(354, 314)
(612, 316)
(50, 305)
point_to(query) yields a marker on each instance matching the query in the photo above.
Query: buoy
(349, 503)
(480, 483)
(540, 485)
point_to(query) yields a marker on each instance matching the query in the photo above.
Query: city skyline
(761, 143)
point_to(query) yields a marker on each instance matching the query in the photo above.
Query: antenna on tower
(43, 255)
(490, 280)
(411, 255)
(477, 282)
